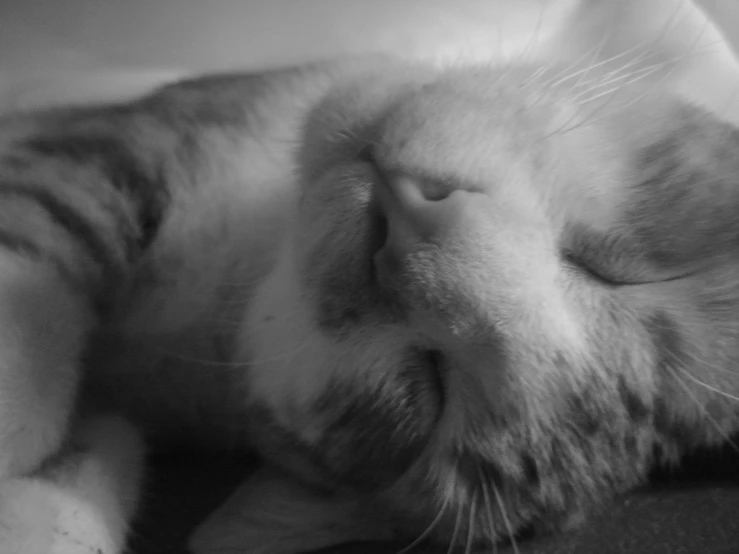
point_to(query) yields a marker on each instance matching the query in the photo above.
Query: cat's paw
(82, 502)
(43, 325)
(271, 513)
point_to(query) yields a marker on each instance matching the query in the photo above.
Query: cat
(453, 303)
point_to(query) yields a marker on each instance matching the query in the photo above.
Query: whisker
(706, 385)
(564, 127)
(710, 365)
(534, 76)
(506, 520)
(291, 355)
(590, 119)
(488, 509)
(588, 68)
(527, 51)
(471, 524)
(652, 69)
(591, 54)
(618, 71)
(521, 58)
(599, 81)
(703, 409)
(457, 524)
(699, 361)
(630, 77)
(692, 51)
(423, 536)
(218, 363)
(616, 88)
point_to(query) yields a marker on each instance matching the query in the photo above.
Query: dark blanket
(691, 511)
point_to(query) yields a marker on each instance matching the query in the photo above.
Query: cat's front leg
(81, 201)
(81, 501)
(43, 327)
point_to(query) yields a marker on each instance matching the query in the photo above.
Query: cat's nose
(411, 210)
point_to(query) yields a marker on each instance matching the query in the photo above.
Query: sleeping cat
(451, 303)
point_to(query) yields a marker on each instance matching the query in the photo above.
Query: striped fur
(218, 261)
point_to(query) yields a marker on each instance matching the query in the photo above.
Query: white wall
(207, 34)
(44, 41)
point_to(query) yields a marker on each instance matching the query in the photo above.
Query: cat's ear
(270, 513)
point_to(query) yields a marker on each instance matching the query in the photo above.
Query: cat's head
(504, 297)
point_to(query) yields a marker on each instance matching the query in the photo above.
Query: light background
(208, 34)
(42, 36)
(79, 49)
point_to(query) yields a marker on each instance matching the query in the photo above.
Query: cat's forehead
(496, 133)
(511, 131)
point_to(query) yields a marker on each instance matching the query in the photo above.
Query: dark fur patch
(347, 295)
(374, 435)
(342, 307)
(477, 470)
(670, 350)
(72, 220)
(342, 301)
(667, 339)
(584, 413)
(285, 448)
(686, 195)
(144, 187)
(636, 408)
(19, 244)
(530, 470)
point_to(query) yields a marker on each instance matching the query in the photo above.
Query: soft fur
(455, 303)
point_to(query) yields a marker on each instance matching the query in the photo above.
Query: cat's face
(504, 296)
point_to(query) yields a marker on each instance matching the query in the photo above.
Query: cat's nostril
(378, 229)
(405, 187)
(409, 213)
(437, 370)
(408, 209)
(367, 154)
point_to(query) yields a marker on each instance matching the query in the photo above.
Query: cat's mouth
(366, 435)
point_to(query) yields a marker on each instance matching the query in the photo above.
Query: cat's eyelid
(577, 263)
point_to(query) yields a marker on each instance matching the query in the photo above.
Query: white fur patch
(42, 326)
(80, 505)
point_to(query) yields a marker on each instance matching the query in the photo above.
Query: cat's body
(467, 292)
(222, 162)
(185, 312)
